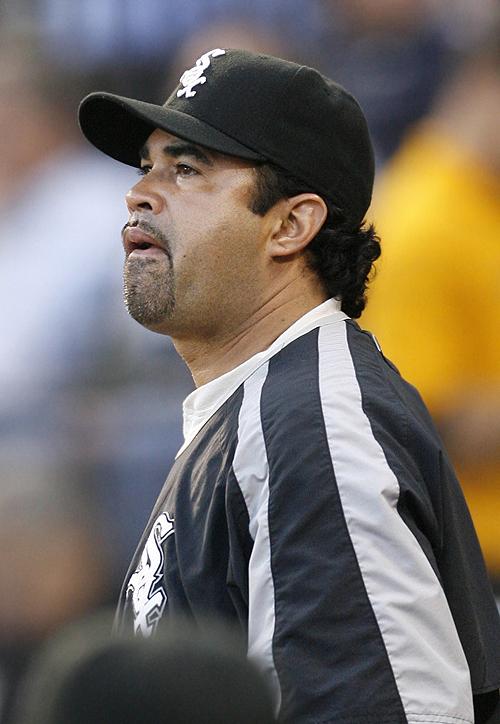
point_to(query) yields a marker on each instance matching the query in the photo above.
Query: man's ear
(298, 221)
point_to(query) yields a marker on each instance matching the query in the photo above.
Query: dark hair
(342, 253)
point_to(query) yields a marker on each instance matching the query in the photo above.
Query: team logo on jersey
(145, 586)
(194, 76)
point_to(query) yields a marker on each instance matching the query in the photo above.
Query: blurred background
(90, 403)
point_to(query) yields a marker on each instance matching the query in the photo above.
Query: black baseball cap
(256, 107)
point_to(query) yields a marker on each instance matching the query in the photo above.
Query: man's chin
(148, 296)
(149, 317)
(162, 327)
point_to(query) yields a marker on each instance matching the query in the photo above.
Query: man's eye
(143, 170)
(183, 169)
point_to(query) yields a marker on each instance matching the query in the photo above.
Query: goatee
(148, 290)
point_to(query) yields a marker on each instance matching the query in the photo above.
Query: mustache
(151, 230)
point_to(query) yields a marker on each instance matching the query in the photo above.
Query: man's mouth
(137, 242)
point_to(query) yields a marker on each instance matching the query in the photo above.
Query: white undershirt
(202, 403)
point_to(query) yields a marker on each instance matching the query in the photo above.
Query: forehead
(159, 138)
(162, 142)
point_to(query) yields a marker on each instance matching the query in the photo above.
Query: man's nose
(143, 197)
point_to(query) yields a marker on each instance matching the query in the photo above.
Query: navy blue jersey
(317, 509)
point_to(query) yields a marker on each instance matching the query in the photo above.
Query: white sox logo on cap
(194, 76)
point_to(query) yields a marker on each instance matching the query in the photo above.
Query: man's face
(194, 250)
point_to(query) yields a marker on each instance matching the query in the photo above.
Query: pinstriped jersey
(317, 509)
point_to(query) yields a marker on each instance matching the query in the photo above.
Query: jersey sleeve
(346, 613)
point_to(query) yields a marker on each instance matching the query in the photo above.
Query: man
(312, 501)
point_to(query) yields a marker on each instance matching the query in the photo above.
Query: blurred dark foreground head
(181, 676)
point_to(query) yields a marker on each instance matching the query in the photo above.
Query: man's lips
(136, 241)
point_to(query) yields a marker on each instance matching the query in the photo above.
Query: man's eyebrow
(180, 148)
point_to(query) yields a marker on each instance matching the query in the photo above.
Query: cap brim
(120, 126)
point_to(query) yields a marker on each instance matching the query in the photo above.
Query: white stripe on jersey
(409, 604)
(252, 473)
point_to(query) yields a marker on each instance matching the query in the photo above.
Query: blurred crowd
(91, 403)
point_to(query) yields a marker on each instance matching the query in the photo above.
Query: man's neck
(208, 359)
